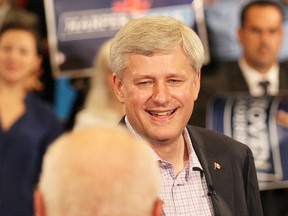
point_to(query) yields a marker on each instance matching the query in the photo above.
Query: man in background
(98, 171)
(260, 34)
(258, 72)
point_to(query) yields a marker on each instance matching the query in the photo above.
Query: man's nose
(161, 93)
(265, 37)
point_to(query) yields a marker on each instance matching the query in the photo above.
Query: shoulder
(227, 68)
(217, 143)
(283, 64)
(41, 109)
(42, 119)
(38, 102)
(283, 67)
(222, 72)
(207, 134)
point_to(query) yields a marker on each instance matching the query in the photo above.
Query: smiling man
(156, 63)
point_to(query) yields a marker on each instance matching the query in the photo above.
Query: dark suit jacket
(228, 78)
(234, 187)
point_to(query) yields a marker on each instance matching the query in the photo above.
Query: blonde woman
(101, 105)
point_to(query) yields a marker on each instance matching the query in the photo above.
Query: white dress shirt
(253, 78)
(187, 193)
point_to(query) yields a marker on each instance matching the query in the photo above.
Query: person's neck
(12, 91)
(263, 69)
(175, 152)
(117, 107)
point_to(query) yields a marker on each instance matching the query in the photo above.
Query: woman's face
(18, 56)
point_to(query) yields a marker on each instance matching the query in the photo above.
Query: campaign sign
(254, 122)
(76, 29)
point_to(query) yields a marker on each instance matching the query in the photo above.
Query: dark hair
(21, 25)
(261, 3)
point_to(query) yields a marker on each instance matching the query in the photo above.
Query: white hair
(101, 105)
(99, 171)
(149, 35)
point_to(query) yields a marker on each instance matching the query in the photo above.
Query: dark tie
(264, 84)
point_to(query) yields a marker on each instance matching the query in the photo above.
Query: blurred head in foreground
(98, 171)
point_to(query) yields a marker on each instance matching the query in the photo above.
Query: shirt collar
(135, 134)
(253, 77)
(193, 159)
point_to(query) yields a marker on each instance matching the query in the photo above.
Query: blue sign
(254, 122)
(76, 29)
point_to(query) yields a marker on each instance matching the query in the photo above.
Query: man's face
(261, 36)
(159, 93)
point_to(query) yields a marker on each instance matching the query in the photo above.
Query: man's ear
(118, 88)
(39, 208)
(196, 85)
(158, 208)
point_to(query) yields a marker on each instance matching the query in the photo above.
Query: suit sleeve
(252, 187)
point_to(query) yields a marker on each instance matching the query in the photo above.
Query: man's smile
(161, 114)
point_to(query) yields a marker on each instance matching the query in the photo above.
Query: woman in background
(27, 124)
(101, 105)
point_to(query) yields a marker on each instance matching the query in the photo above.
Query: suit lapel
(207, 160)
(213, 173)
(236, 74)
(122, 121)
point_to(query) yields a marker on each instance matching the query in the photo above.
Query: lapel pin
(217, 166)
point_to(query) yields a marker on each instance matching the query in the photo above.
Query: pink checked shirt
(185, 194)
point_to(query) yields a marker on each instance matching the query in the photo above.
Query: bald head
(99, 171)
